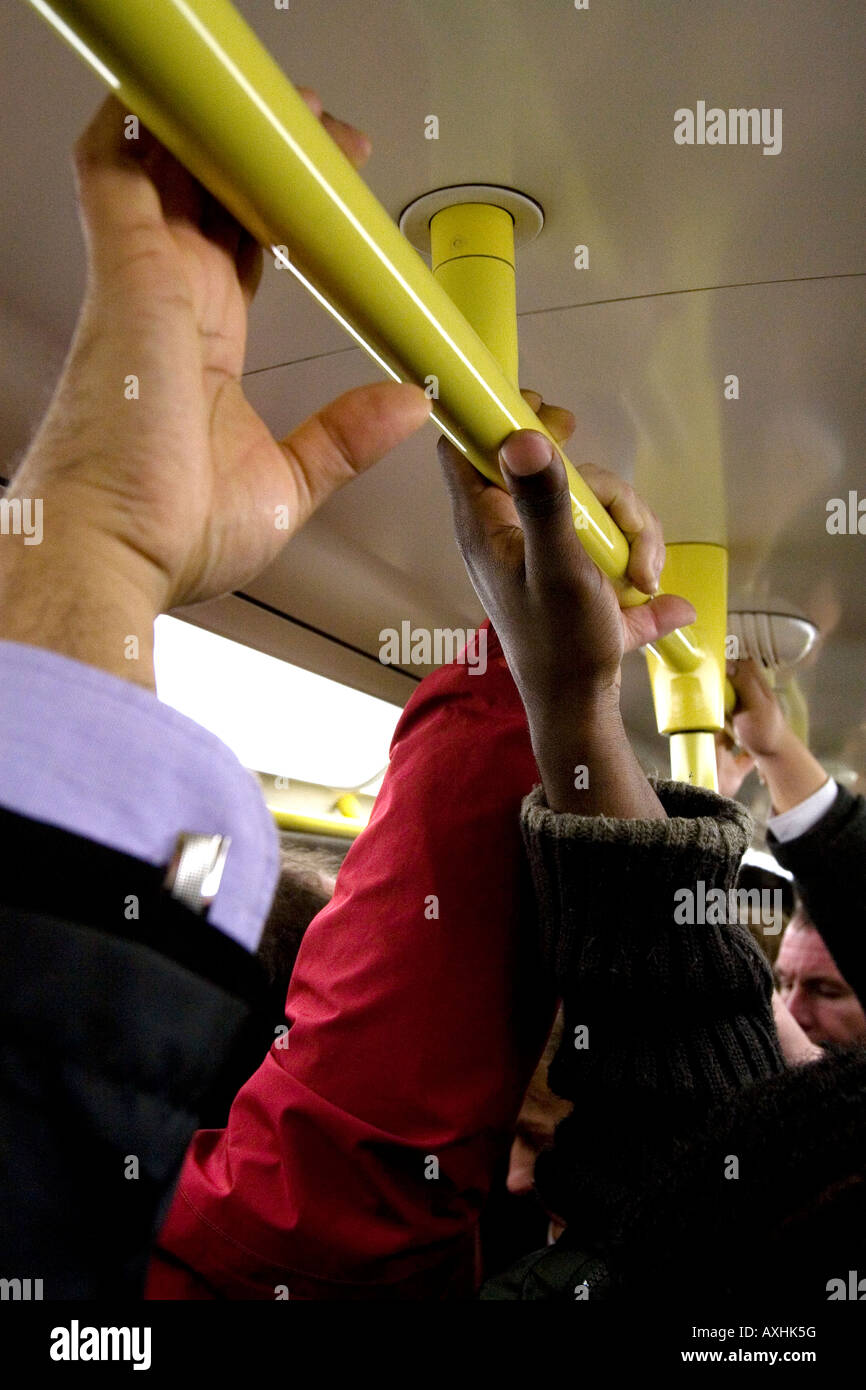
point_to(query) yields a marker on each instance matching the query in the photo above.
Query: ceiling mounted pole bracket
(526, 214)
(471, 232)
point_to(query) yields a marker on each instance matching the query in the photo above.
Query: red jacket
(355, 1161)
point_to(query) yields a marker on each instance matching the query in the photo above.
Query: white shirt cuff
(790, 825)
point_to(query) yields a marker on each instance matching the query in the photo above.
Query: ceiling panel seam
(320, 632)
(695, 289)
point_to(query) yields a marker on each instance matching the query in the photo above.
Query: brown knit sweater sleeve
(663, 1017)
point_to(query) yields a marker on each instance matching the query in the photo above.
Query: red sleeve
(356, 1159)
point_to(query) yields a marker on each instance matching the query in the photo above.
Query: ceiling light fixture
(277, 718)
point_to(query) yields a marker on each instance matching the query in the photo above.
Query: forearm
(80, 594)
(587, 764)
(791, 773)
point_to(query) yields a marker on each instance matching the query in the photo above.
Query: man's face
(813, 991)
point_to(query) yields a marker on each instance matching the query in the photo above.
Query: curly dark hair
(305, 886)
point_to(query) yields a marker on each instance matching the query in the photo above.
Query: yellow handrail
(341, 828)
(199, 78)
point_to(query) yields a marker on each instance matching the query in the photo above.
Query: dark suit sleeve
(829, 865)
(122, 1016)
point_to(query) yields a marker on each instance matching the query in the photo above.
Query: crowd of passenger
(477, 1057)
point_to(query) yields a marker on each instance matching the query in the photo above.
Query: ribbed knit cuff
(589, 871)
(666, 1013)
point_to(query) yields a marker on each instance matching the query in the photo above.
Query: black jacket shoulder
(123, 1015)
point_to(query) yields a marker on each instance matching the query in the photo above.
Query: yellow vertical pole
(472, 251)
(693, 759)
(690, 706)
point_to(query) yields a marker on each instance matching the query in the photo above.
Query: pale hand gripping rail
(198, 77)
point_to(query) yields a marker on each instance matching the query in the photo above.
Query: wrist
(786, 745)
(82, 594)
(586, 763)
(574, 712)
(790, 773)
(572, 742)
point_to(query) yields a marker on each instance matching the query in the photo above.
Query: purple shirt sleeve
(98, 756)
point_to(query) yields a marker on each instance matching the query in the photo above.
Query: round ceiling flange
(527, 215)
